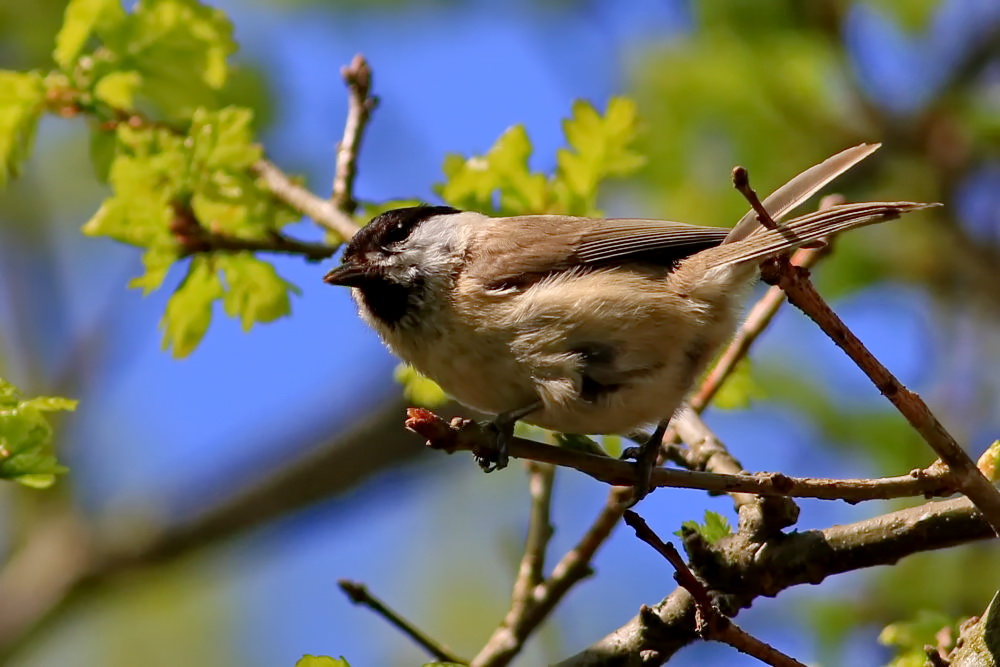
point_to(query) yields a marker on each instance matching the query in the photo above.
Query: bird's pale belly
(494, 381)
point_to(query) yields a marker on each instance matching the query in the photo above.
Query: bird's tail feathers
(763, 242)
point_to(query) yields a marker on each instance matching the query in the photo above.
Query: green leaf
(147, 175)
(21, 103)
(118, 88)
(989, 462)
(254, 290)
(714, 529)
(223, 139)
(81, 19)
(157, 259)
(26, 435)
(419, 389)
(503, 171)
(579, 443)
(179, 48)
(189, 310)
(103, 149)
(612, 445)
(321, 661)
(52, 403)
(501, 182)
(599, 147)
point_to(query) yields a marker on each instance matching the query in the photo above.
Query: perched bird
(575, 324)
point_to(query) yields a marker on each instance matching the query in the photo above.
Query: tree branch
(710, 622)
(531, 570)
(324, 212)
(467, 435)
(359, 594)
(802, 294)
(360, 104)
(798, 558)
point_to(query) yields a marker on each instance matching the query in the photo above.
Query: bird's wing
(520, 250)
(802, 187)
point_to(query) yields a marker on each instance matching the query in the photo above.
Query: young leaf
(714, 529)
(599, 147)
(504, 171)
(21, 99)
(321, 661)
(579, 443)
(81, 19)
(25, 437)
(254, 290)
(189, 310)
(147, 174)
(179, 48)
(117, 88)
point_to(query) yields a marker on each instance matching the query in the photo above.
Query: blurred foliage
(26, 437)
(419, 389)
(910, 637)
(321, 661)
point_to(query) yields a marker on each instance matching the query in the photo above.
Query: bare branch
(467, 435)
(803, 295)
(806, 557)
(507, 640)
(531, 571)
(360, 104)
(359, 594)
(324, 212)
(710, 622)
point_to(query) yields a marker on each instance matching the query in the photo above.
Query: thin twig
(360, 104)
(507, 640)
(531, 570)
(359, 594)
(467, 435)
(710, 622)
(324, 212)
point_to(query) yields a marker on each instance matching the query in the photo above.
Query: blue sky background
(157, 436)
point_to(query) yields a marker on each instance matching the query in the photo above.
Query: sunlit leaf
(178, 47)
(599, 147)
(254, 290)
(714, 529)
(321, 661)
(21, 98)
(118, 88)
(26, 435)
(189, 310)
(81, 19)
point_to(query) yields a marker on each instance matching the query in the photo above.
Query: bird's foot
(502, 427)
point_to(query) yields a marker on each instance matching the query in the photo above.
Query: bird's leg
(503, 426)
(645, 461)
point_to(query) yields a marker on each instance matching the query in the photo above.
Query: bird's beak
(349, 275)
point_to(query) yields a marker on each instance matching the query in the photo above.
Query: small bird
(575, 324)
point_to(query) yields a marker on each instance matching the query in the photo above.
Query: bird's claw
(496, 457)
